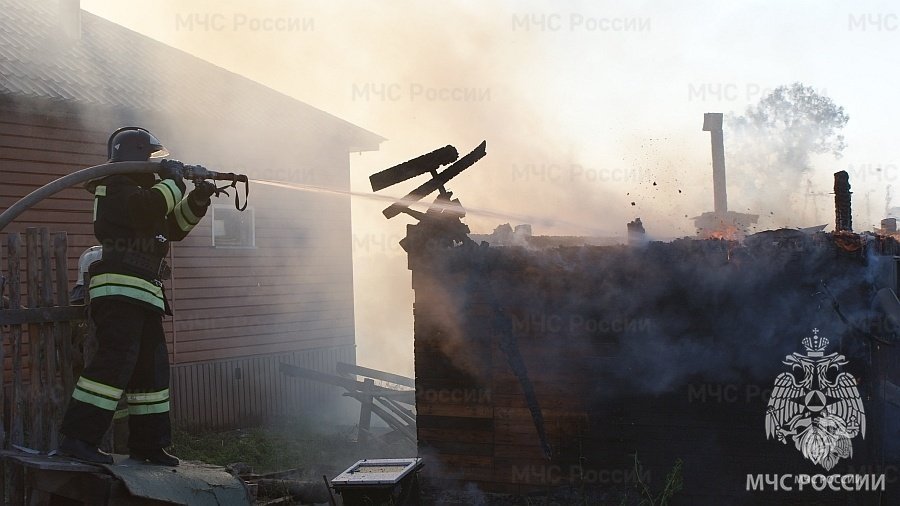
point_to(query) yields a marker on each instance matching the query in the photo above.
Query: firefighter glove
(202, 192)
(174, 170)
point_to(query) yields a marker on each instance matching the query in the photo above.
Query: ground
(310, 447)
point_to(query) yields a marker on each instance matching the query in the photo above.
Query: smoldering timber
(665, 350)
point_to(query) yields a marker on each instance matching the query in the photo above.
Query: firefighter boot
(84, 451)
(155, 456)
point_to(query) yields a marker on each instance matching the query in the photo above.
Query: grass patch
(280, 445)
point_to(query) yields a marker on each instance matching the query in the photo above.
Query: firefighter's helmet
(135, 144)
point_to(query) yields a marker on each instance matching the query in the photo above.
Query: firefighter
(135, 217)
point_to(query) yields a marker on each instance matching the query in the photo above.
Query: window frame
(230, 208)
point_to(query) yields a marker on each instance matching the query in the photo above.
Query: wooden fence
(38, 338)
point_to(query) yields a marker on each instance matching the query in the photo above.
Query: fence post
(51, 396)
(13, 477)
(35, 399)
(17, 404)
(64, 329)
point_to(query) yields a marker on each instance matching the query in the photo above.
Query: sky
(584, 106)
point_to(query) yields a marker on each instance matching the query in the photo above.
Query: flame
(848, 241)
(726, 232)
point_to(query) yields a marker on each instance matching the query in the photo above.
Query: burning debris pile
(556, 370)
(559, 365)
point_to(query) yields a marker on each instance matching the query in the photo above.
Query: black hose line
(81, 176)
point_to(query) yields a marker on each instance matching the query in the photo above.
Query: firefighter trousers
(131, 361)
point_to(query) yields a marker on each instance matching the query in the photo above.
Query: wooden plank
(392, 421)
(216, 392)
(289, 262)
(63, 329)
(18, 181)
(365, 410)
(51, 204)
(73, 160)
(303, 336)
(346, 383)
(453, 463)
(194, 402)
(349, 369)
(18, 140)
(28, 112)
(269, 270)
(460, 435)
(62, 219)
(194, 280)
(36, 399)
(244, 387)
(72, 226)
(42, 314)
(17, 415)
(51, 397)
(251, 294)
(198, 244)
(3, 433)
(28, 126)
(301, 307)
(230, 396)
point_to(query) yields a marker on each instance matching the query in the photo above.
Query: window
(233, 228)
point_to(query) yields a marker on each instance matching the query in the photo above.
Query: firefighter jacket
(135, 217)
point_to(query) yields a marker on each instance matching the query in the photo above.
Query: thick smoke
(649, 320)
(771, 150)
(597, 156)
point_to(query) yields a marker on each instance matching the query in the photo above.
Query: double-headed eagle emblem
(816, 405)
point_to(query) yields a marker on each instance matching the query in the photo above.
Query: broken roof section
(107, 65)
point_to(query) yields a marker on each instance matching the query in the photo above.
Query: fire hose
(194, 173)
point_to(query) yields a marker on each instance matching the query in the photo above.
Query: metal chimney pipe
(712, 123)
(70, 18)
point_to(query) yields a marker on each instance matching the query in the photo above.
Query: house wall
(248, 391)
(290, 296)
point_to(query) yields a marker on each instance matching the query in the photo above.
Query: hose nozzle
(197, 173)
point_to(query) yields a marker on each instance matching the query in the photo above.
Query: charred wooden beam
(437, 182)
(843, 221)
(428, 162)
(405, 396)
(343, 368)
(502, 324)
(392, 421)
